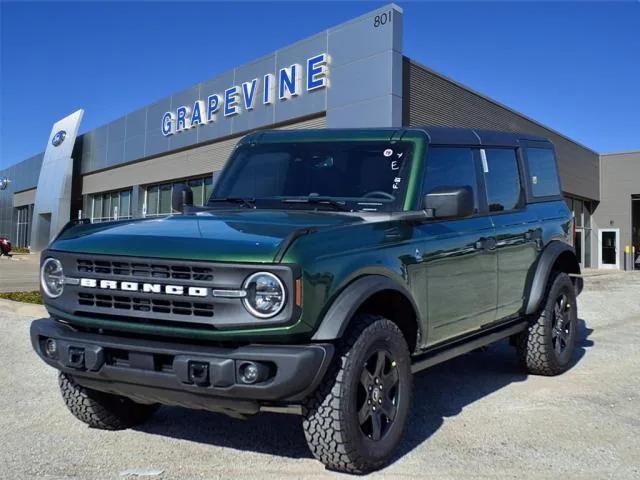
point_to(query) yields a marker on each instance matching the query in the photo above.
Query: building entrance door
(608, 248)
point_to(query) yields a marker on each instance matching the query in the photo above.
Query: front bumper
(194, 376)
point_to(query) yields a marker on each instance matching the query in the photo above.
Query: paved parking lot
(19, 273)
(477, 416)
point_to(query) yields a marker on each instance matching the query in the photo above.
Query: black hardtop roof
(436, 135)
(473, 136)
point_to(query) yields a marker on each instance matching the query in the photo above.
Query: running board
(442, 354)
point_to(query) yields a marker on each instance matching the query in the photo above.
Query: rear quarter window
(543, 172)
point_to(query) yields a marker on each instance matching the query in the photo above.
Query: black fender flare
(341, 311)
(547, 259)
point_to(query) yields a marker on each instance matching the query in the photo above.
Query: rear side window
(502, 179)
(543, 174)
(450, 167)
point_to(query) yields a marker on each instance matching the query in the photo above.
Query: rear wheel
(102, 410)
(355, 420)
(547, 346)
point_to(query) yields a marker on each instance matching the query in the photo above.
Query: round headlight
(265, 295)
(52, 277)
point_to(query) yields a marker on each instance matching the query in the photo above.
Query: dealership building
(352, 75)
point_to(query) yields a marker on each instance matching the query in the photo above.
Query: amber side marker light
(299, 292)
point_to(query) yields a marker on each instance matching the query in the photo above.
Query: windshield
(368, 175)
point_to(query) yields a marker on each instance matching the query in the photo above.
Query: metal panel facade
(23, 176)
(52, 207)
(432, 99)
(620, 174)
(27, 197)
(364, 88)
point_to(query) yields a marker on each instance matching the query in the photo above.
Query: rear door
(458, 258)
(517, 228)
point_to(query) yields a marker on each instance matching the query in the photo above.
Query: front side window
(450, 167)
(543, 174)
(502, 179)
(369, 175)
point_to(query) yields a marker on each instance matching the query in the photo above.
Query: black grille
(145, 270)
(124, 302)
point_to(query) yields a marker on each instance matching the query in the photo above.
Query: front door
(458, 259)
(609, 246)
(460, 262)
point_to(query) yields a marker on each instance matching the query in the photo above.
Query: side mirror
(181, 197)
(450, 202)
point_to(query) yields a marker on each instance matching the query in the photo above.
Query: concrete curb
(25, 309)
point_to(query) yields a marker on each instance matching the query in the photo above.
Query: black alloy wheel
(378, 395)
(562, 329)
(355, 420)
(547, 346)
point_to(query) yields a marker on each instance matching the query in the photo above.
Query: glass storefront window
(97, 207)
(581, 210)
(114, 211)
(197, 188)
(577, 211)
(111, 206)
(23, 226)
(569, 202)
(587, 247)
(165, 199)
(208, 189)
(125, 204)
(152, 200)
(587, 215)
(106, 205)
(158, 197)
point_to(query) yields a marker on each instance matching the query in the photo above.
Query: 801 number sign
(382, 19)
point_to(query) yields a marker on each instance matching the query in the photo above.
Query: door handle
(532, 234)
(486, 244)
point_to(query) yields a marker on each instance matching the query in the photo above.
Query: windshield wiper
(318, 201)
(245, 202)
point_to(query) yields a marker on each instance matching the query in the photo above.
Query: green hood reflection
(233, 236)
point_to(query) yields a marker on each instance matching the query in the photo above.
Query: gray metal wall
(432, 99)
(23, 176)
(619, 180)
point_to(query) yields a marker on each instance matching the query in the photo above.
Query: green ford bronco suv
(327, 267)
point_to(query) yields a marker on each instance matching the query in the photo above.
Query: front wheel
(355, 420)
(547, 346)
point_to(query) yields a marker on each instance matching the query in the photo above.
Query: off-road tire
(536, 346)
(102, 410)
(331, 415)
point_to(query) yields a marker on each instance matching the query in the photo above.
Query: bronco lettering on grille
(144, 287)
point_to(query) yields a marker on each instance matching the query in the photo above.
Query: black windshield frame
(342, 171)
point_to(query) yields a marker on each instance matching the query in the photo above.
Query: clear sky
(573, 66)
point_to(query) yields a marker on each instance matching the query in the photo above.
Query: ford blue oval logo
(58, 138)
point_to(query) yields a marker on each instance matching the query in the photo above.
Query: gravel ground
(476, 416)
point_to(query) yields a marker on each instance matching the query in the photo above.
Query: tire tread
(101, 410)
(534, 350)
(324, 421)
